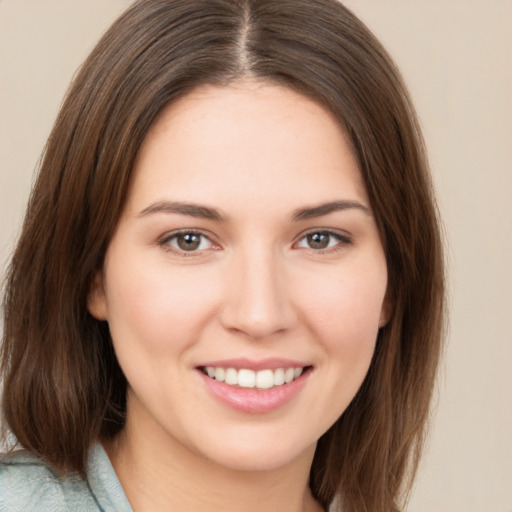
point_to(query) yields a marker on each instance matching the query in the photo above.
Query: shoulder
(27, 483)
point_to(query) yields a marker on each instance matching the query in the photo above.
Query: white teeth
(231, 377)
(279, 377)
(289, 374)
(246, 378)
(263, 379)
(220, 374)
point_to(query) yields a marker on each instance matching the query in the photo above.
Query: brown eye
(188, 241)
(321, 240)
(318, 240)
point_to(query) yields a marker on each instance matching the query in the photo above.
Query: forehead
(255, 137)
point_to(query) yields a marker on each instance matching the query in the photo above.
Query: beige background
(456, 58)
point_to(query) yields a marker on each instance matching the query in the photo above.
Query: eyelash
(342, 240)
(165, 242)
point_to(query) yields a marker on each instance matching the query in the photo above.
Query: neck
(161, 474)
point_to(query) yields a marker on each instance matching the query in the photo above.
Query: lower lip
(255, 401)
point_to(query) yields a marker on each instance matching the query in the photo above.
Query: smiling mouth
(250, 379)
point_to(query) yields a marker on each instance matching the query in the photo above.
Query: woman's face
(246, 254)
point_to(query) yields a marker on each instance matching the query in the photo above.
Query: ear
(96, 299)
(386, 310)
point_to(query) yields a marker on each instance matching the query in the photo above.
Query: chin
(259, 456)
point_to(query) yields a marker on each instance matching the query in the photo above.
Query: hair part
(63, 387)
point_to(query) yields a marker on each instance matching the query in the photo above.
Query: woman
(228, 292)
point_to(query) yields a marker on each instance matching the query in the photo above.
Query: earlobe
(96, 300)
(386, 310)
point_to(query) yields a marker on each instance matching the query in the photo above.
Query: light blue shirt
(28, 484)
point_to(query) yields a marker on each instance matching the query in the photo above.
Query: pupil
(189, 241)
(318, 240)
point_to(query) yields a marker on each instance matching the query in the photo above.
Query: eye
(187, 241)
(322, 240)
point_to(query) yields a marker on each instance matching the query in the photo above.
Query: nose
(258, 296)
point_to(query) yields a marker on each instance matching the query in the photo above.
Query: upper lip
(249, 364)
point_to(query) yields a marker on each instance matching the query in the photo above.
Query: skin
(254, 288)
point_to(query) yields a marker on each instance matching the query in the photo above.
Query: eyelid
(343, 238)
(164, 240)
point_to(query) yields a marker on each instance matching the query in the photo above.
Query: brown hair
(63, 387)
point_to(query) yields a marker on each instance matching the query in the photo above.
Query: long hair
(63, 387)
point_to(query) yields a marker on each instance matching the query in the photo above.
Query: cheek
(346, 310)
(342, 316)
(153, 309)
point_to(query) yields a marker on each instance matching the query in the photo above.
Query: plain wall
(456, 57)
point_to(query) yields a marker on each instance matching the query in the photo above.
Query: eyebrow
(191, 209)
(206, 212)
(326, 208)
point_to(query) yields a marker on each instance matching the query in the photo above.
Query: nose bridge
(257, 299)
